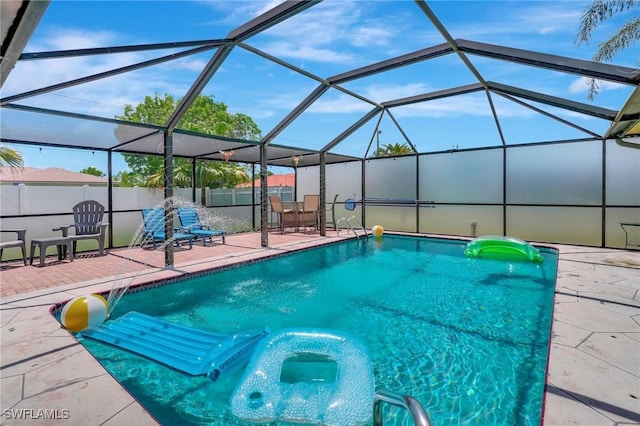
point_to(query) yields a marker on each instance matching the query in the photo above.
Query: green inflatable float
(505, 248)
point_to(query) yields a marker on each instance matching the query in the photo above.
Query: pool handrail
(420, 417)
(350, 226)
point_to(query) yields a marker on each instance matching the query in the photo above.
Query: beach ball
(82, 312)
(377, 230)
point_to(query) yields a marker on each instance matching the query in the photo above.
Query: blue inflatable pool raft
(192, 351)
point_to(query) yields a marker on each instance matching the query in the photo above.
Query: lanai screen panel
(94, 84)
(467, 189)
(623, 175)
(557, 174)
(344, 179)
(308, 181)
(153, 144)
(521, 124)
(261, 89)
(201, 146)
(554, 83)
(462, 177)
(391, 189)
(48, 129)
(568, 225)
(312, 33)
(391, 178)
(324, 120)
(457, 122)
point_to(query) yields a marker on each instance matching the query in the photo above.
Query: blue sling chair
(190, 222)
(154, 229)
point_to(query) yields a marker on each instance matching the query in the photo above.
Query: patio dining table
(297, 217)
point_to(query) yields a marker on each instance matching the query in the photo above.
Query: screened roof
(478, 105)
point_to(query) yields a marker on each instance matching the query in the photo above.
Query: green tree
(391, 149)
(204, 116)
(627, 35)
(92, 171)
(129, 179)
(10, 157)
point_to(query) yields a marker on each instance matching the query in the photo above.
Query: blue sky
(332, 37)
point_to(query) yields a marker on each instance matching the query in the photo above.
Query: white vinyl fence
(41, 208)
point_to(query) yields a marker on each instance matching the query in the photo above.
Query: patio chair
(332, 209)
(19, 242)
(286, 217)
(309, 216)
(154, 229)
(87, 221)
(190, 222)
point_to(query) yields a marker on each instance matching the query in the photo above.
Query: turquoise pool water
(466, 337)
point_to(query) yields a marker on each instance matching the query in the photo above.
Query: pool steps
(350, 227)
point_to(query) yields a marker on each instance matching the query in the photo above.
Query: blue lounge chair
(190, 223)
(154, 229)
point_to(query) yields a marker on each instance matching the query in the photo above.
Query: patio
(594, 373)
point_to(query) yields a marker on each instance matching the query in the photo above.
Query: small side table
(623, 225)
(44, 243)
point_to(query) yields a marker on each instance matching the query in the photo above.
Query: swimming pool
(466, 337)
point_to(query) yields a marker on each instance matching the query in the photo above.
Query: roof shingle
(49, 175)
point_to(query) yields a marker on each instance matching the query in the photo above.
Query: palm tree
(627, 35)
(10, 157)
(208, 174)
(398, 149)
(391, 149)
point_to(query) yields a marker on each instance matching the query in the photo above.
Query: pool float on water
(504, 248)
(190, 350)
(304, 375)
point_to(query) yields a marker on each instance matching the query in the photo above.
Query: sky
(327, 39)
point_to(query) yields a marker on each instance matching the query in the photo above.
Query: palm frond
(626, 36)
(600, 11)
(10, 157)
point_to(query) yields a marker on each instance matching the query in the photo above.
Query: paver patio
(594, 367)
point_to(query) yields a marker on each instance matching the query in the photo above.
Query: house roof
(273, 180)
(49, 175)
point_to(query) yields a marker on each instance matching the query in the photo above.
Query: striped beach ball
(82, 312)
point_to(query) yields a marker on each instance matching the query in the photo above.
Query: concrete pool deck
(48, 378)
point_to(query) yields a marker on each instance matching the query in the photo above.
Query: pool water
(468, 338)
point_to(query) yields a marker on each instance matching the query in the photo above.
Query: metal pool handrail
(350, 226)
(420, 417)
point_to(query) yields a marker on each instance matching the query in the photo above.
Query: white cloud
(342, 104)
(327, 32)
(105, 97)
(59, 38)
(383, 93)
(235, 13)
(189, 64)
(524, 18)
(581, 85)
(548, 30)
(371, 35)
(309, 52)
(447, 107)
(475, 104)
